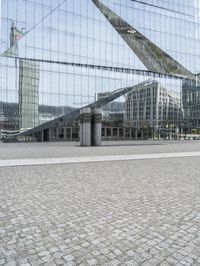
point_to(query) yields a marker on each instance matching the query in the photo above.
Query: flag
(15, 36)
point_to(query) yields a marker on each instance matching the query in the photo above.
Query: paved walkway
(43, 150)
(106, 158)
(125, 205)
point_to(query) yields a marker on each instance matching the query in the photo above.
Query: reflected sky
(78, 32)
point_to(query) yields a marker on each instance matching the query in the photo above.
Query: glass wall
(53, 35)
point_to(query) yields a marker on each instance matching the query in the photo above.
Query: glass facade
(44, 43)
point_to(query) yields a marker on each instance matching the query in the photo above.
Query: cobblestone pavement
(120, 213)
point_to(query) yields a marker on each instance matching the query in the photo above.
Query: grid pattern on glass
(76, 31)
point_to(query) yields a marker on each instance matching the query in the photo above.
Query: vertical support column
(65, 133)
(85, 126)
(111, 132)
(124, 133)
(71, 133)
(57, 133)
(136, 134)
(80, 128)
(105, 132)
(118, 133)
(96, 127)
(41, 136)
(130, 133)
(142, 134)
(147, 134)
(152, 133)
(49, 134)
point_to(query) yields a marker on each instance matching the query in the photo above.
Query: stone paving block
(119, 213)
(2, 261)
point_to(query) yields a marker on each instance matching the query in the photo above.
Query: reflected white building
(152, 106)
(29, 73)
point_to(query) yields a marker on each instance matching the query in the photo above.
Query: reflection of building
(191, 104)
(9, 114)
(154, 58)
(47, 112)
(113, 110)
(28, 93)
(101, 95)
(152, 106)
(124, 37)
(29, 74)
